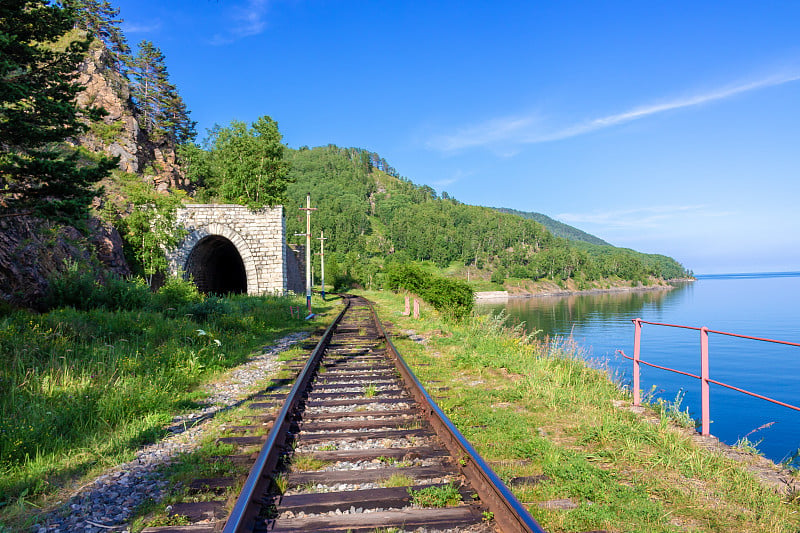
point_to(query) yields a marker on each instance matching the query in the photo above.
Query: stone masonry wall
(296, 268)
(259, 237)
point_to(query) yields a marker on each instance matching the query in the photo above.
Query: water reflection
(564, 315)
(758, 306)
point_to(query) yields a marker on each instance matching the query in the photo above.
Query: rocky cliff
(118, 134)
(31, 250)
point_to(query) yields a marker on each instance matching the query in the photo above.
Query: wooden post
(407, 310)
(308, 210)
(416, 308)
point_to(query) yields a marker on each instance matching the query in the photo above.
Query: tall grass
(535, 407)
(81, 388)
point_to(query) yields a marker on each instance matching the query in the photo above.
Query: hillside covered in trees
(127, 158)
(559, 229)
(372, 216)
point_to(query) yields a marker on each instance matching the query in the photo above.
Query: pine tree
(102, 21)
(149, 74)
(174, 118)
(162, 111)
(39, 174)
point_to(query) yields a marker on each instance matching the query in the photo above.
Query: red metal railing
(704, 378)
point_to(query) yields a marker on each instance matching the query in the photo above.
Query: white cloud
(444, 182)
(530, 129)
(457, 176)
(245, 21)
(133, 27)
(643, 217)
(490, 132)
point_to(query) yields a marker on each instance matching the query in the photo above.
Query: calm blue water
(759, 305)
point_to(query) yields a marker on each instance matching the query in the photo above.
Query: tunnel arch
(258, 236)
(216, 266)
(219, 261)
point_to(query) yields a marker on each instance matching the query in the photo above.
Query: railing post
(637, 342)
(704, 388)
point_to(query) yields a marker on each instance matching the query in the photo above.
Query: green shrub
(177, 292)
(75, 287)
(208, 307)
(125, 293)
(498, 276)
(80, 288)
(406, 276)
(453, 298)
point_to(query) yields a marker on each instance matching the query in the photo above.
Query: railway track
(354, 444)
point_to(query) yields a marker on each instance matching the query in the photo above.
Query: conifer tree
(102, 21)
(39, 174)
(149, 74)
(175, 117)
(162, 111)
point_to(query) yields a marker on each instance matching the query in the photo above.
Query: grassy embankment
(82, 390)
(533, 409)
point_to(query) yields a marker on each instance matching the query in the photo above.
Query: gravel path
(108, 502)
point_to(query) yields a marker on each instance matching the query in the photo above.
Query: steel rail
(509, 513)
(243, 515)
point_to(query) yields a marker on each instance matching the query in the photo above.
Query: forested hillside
(559, 229)
(98, 97)
(373, 216)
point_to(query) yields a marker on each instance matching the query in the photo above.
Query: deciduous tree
(247, 164)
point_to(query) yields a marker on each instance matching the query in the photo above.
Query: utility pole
(308, 210)
(321, 254)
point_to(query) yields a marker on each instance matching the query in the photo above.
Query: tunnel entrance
(217, 267)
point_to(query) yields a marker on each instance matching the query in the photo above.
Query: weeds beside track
(82, 390)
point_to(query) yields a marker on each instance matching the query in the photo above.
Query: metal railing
(704, 378)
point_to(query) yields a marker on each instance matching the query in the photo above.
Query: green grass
(436, 496)
(532, 408)
(82, 390)
(306, 462)
(397, 480)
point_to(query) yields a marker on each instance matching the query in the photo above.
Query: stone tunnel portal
(217, 267)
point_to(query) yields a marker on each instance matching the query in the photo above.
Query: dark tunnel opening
(216, 267)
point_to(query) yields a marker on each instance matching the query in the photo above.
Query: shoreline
(483, 296)
(448, 358)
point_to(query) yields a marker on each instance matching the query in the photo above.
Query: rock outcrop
(119, 133)
(32, 250)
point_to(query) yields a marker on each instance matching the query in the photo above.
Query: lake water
(758, 305)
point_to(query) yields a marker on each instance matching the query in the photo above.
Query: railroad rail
(355, 445)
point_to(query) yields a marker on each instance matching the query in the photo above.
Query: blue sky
(666, 127)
